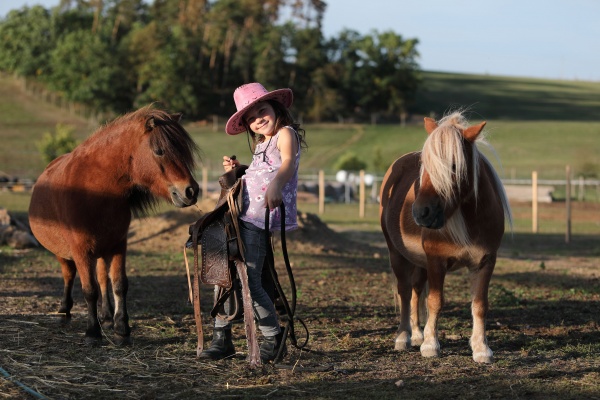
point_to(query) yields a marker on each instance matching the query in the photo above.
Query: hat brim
(235, 126)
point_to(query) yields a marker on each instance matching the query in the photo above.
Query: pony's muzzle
(428, 217)
(184, 197)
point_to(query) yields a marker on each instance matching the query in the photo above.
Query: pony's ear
(150, 124)
(472, 132)
(177, 117)
(430, 125)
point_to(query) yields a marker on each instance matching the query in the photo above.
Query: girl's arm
(287, 144)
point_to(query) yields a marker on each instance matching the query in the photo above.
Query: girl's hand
(229, 163)
(274, 196)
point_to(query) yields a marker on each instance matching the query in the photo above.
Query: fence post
(361, 191)
(568, 204)
(534, 202)
(204, 183)
(321, 191)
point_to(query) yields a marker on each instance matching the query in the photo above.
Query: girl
(271, 178)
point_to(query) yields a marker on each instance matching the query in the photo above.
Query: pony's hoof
(483, 357)
(92, 341)
(65, 319)
(429, 351)
(107, 324)
(417, 340)
(122, 340)
(402, 342)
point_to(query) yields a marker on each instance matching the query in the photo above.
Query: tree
(390, 63)
(25, 37)
(87, 70)
(190, 55)
(352, 81)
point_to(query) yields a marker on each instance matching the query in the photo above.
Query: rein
(290, 311)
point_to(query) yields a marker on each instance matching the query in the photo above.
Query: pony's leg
(106, 310)
(120, 285)
(68, 272)
(480, 281)
(86, 266)
(403, 270)
(435, 301)
(417, 304)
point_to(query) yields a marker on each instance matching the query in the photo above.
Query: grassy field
(524, 139)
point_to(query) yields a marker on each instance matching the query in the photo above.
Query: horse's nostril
(189, 192)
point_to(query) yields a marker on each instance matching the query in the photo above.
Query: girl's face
(261, 119)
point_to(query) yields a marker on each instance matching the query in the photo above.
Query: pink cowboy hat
(246, 96)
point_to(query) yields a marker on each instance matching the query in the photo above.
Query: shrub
(58, 143)
(350, 162)
(588, 170)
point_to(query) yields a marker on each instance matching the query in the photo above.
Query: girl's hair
(283, 117)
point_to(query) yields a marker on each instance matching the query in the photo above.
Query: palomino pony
(82, 205)
(442, 209)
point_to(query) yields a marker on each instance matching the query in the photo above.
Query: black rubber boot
(270, 347)
(221, 345)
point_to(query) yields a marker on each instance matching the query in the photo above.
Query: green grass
(25, 119)
(520, 146)
(510, 98)
(533, 124)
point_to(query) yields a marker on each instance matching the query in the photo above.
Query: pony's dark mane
(166, 134)
(141, 202)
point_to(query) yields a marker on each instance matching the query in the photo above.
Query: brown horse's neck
(109, 143)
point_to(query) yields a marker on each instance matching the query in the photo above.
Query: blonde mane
(443, 159)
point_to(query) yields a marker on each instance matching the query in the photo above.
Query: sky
(550, 39)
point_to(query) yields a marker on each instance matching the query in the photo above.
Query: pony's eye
(159, 152)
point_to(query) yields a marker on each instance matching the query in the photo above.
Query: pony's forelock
(173, 139)
(442, 151)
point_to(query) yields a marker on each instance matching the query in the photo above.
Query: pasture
(544, 294)
(547, 144)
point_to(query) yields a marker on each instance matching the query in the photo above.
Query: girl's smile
(261, 119)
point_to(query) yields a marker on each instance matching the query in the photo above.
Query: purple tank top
(265, 165)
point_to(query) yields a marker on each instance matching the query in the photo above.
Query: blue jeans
(255, 251)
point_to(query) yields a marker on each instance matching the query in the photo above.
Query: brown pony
(83, 202)
(442, 209)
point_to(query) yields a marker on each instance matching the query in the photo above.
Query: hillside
(25, 119)
(534, 124)
(510, 98)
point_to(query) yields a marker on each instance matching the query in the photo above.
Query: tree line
(190, 55)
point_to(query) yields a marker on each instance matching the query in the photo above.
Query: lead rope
(290, 310)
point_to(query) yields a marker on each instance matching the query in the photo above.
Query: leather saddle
(217, 232)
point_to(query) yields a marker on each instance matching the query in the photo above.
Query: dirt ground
(543, 326)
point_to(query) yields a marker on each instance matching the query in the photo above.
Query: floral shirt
(263, 169)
